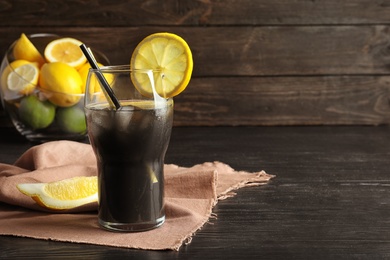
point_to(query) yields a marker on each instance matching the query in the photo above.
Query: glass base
(132, 227)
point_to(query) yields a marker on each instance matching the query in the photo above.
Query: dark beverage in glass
(129, 140)
(130, 146)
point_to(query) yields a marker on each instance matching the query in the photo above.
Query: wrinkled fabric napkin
(190, 194)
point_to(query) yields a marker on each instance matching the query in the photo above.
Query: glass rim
(44, 34)
(52, 92)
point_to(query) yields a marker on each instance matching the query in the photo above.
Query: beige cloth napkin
(190, 194)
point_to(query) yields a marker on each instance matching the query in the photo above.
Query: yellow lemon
(24, 49)
(171, 58)
(23, 79)
(64, 194)
(13, 65)
(61, 83)
(65, 50)
(93, 85)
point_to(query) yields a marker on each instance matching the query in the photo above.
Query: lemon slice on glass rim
(171, 59)
(64, 194)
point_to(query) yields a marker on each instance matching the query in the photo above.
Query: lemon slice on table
(170, 56)
(23, 79)
(64, 194)
(65, 50)
(24, 49)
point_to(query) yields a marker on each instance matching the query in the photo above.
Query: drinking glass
(130, 145)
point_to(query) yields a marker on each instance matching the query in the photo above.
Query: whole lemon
(35, 113)
(61, 83)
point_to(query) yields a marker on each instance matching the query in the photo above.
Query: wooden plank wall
(256, 62)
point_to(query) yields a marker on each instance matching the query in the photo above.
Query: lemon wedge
(64, 194)
(24, 49)
(171, 58)
(23, 79)
(65, 50)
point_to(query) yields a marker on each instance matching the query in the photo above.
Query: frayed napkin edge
(249, 182)
(252, 181)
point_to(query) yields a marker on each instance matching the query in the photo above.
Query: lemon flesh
(64, 194)
(171, 59)
(65, 50)
(13, 65)
(24, 49)
(8, 94)
(23, 79)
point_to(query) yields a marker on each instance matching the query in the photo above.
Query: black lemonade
(130, 146)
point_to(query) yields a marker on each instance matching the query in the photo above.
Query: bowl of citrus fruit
(42, 82)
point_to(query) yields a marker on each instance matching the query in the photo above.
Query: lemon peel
(64, 194)
(171, 59)
(61, 83)
(24, 49)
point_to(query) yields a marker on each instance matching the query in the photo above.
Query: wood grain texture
(255, 62)
(191, 12)
(259, 51)
(284, 101)
(329, 199)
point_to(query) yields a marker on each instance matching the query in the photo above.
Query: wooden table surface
(330, 198)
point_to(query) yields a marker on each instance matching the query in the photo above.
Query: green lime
(35, 113)
(71, 119)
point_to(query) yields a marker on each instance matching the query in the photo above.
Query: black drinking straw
(100, 76)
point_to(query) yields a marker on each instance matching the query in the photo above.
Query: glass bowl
(42, 115)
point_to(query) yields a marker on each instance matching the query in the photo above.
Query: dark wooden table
(330, 199)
